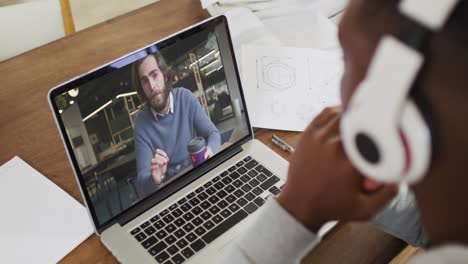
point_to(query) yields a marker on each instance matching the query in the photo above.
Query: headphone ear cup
(416, 137)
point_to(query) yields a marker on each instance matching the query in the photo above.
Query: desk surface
(27, 128)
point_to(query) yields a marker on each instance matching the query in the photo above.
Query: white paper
(285, 88)
(40, 223)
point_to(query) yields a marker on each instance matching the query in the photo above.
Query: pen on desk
(282, 144)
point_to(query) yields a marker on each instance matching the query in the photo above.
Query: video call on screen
(114, 128)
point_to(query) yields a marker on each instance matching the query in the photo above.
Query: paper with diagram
(285, 88)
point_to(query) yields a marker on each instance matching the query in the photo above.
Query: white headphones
(384, 134)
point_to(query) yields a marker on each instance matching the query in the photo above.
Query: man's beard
(158, 106)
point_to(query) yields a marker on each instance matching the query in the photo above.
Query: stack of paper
(40, 222)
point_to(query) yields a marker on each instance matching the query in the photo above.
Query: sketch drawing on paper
(278, 109)
(306, 112)
(275, 73)
(324, 79)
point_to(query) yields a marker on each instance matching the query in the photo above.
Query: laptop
(162, 148)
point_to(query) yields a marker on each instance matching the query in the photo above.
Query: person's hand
(208, 153)
(159, 166)
(322, 184)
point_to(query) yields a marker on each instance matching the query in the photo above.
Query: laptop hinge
(180, 183)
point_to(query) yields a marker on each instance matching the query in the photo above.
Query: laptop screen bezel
(152, 199)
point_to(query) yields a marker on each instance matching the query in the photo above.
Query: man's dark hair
(166, 71)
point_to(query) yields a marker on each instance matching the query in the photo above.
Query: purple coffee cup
(197, 150)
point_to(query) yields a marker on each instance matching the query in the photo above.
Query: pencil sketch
(276, 73)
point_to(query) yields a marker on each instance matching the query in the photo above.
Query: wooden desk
(27, 128)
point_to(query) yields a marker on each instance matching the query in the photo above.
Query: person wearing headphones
(402, 121)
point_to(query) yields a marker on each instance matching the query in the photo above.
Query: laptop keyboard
(178, 232)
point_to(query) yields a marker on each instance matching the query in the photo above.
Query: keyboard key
(234, 207)
(246, 159)
(270, 182)
(226, 180)
(241, 202)
(222, 204)
(196, 210)
(261, 177)
(140, 236)
(194, 201)
(188, 227)
(157, 248)
(208, 184)
(226, 213)
(202, 196)
(223, 227)
(257, 191)
(170, 239)
(182, 243)
(179, 222)
(188, 216)
(170, 228)
(208, 225)
(249, 197)
(240, 163)
(241, 170)
(164, 213)
(246, 188)
(187, 252)
(149, 242)
(191, 237)
(168, 219)
(199, 190)
(154, 218)
(252, 173)
(169, 262)
(221, 194)
(185, 207)
(213, 199)
(206, 215)
(162, 257)
(135, 231)
(145, 224)
(229, 188)
(263, 170)
(200, 231)
(250, 208)
(234, 175)
(233, 168)
(177, 259)
(238, 194)
(161, 234)
(210, 191)
(197, 221)
(217, 219)
(219, 185)
(251, 164)
(179, 233)
(216, 179)
(254, 183)
(205, 205)
(237, 183)
(274, 190)
(172, 207)
(150, 230)
(244, 178)
(159, 224)
(177, 212)
(214, 209)
(224, 174)
(172, 249)
(197, 245)
(182, 201)
(259, 201)
(231, 198)
(191, 195)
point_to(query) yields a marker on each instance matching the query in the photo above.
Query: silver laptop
(163, 151)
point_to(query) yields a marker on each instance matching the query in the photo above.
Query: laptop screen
(137, 125)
